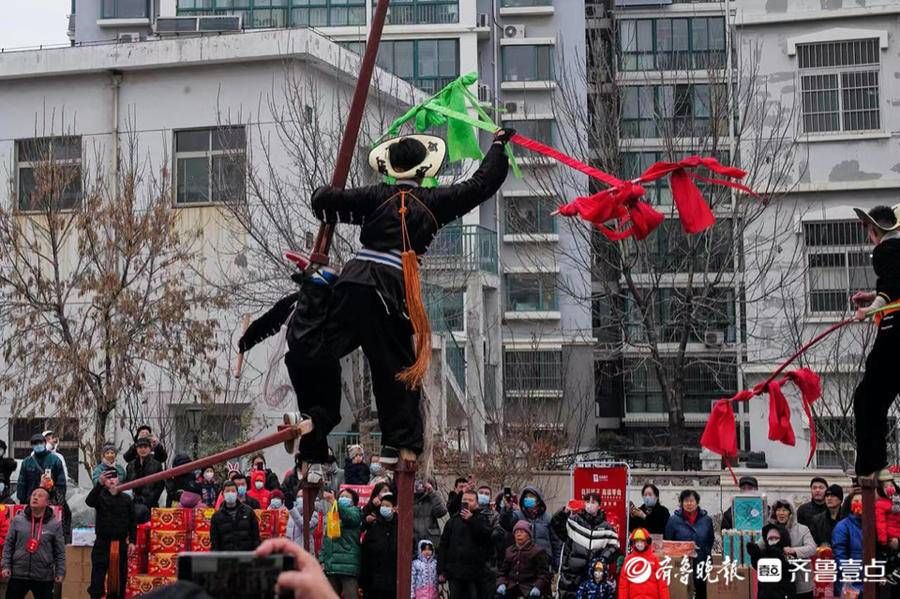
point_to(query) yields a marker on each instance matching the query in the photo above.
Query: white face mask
(592, 508)
(640, 546)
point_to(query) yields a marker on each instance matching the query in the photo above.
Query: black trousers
(874, 396)
(17, 588)
(100, 566)
(357, 317)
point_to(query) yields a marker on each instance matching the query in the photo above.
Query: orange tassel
(413, 376)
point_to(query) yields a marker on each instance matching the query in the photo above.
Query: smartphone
(234, 574)
(507, 492)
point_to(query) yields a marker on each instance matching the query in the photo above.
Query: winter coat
(525, 567)
(115, 514)
(592, 590)
(209, 492)
(585, 538)
(147, 495)
(654, 587)
(101, 468)
(847, 542)
(801, 540)
(7, 467)
(541, 532)
(356, 474)
(295, 525)
(159, 454)
(234, 529)
(784, 588)
(341, 556)
(655, 522)
(175, 486)
(424, 575)
(50, 558)
(887, 521)
(808, 511)
(700, 532)
(260, 495)
(31, 471)
(428, 508)
(378, 568)
(823, 527)
(333, 478)
(290, 486)
(464, 547)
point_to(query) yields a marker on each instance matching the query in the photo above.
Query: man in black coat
(144, 465)
(7, 467)
(816, 504)
(378, 566)
(234, 526)
(367, 306)
(823, 524)
(586, 536)
(115, 521)
(464, 550)
(159, 452)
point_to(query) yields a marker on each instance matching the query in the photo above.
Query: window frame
(285, 12)
(694, 399)
(545, 378)
(32, 165)
(662, 110)
(419, 7)
(210, 154)
(432, 83)
(105, 15)
(543, 217)
(821, 248)
(541, 280)
(677, 59)
(549, 76)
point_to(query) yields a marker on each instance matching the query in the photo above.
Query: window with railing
(531, 292)
(839, 85)
(542, 130)
(210, 165)
(670, 111)
(668, 250)
(422, 12)
(427, 64)
(463, 248)
(839, 263)
(445, 308)
(673, 312)
(48, 173)
(257, 14)
(529, 215)
(524, 3)
(705, 380)
(125, 9)
(684, 43)
(528, 63)
(529, 371)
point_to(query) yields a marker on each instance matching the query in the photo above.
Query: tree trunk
(676, 429)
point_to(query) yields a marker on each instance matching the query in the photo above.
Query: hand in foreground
(307, 580)
(862, 298)
(503, 135)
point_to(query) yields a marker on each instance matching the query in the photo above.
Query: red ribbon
(720, 434)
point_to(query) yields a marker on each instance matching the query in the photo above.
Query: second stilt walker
(880, 384)
(376, 302)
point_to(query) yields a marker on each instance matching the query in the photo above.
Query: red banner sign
(611, 483)
(364, 492)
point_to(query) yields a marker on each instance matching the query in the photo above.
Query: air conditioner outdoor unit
(174, 25)
(128, 38)
(714, 339)
(514, 108)
(219, 23)
(483, 19)
(514, 31)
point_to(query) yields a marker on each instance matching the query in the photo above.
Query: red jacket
(261, 495)
(887, 522)
(654, 587)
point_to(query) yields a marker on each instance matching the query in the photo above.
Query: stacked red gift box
(272, 523)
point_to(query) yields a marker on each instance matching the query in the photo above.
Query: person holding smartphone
(115, 521)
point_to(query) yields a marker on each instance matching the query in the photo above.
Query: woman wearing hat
(525, 571)
(880, 384)
(376, 301)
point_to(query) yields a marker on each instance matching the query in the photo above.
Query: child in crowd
(209, 488)
(424, 573)
(356, 471)
(258, 489)
(597, 586)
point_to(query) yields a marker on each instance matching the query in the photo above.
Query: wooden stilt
(868, 486)
(310, 494)
(404, 478)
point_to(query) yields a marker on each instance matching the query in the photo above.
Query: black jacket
(356, 474)
(115, 514)
(290, 486)
(655, 522)
(159, 453)
(147, 495)
(808, 511)
(886, 264)
(585, 539)
(376, 210)
(823, 526)
(234, 529)
(378, 568)
(784, 588)
(465, 547)
(174, 486)
(7, 467)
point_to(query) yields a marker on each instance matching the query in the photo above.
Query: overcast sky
(33, 22)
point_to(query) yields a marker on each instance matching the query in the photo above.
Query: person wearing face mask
(377, 472)
(295, 523)
(370, 510)
(847, 539)
(428, 509)
(464, 549)
(242, 486)
(258, 463)
(378, 566)
(257, 489)
(532, 509)
(690, 523)
(234, 526)
(598, 585)
(586, 536)
(799, 544)
(525, 571)
(771, 547)
(650, 515)
(655, 586)
(209, 488)
(341, 557)
(107, 460)
(41, 469)
(356, 472)
(290, 484)
(7, 467)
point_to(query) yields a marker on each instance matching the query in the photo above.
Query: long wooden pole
(351, 132)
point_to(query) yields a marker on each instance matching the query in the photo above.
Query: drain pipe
(116, 79)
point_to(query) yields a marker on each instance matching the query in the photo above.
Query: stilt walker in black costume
(880, 384)
(376, 301)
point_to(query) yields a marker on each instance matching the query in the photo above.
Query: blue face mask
(376, 469)
(386, 512)
(649, 500)
(275, 504)
(345, 501)
(230, 497)
(242, 490)
(483, 499)
(39, 447)
(530, 503)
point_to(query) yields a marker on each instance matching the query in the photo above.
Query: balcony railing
(463, 248)
(415, 12)
(524, 3)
